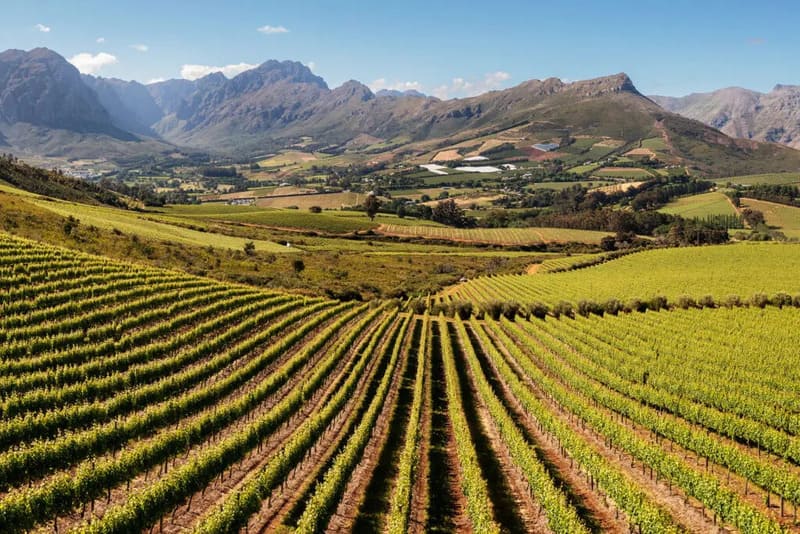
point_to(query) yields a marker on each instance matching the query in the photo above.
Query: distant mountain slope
(40, 88)
(394, 93)
(279, 102)
(56, 185)
(772, 117)
(169, 95)
(130, 104)
(47, 108)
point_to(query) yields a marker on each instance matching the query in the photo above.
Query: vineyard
(136, 399)
(495, 236)
(721, 274)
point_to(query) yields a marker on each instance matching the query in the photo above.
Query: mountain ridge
(278, 103)
(770, 117)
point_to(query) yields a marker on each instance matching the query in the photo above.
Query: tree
(371, 205)
(753, 217)
(70, 224)
(447, 212)
(401, 211)
(298, 266)
(250, 248)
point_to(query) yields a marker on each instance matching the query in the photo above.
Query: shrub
(759, 300)
(796, 301)
(733, 301)
(511, 309)
(613, 306)
(685, 302)
(538, 310)
(492, 308)
(636, 305)
(315, 209)
(658, 303)
(707, 301)
(444, 308)
(418, 306)
(585, 307)
(463, 309)
(563, 308)
(781, 299)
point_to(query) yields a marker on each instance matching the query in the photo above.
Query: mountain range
(773, 117)
(48, 108)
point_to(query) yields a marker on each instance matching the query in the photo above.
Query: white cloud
(140, 47)
(155, 80)
(193, 72)
(101, 40)
(381, 83)
(42, 28)
(91, 63)
(270, 30)
(459, 87)
(312, 66)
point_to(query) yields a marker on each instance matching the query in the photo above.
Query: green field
(779, 216)
(632, 173)
(291, 157)
(722, 270)
(143, 225)
(655, 144)
(583, 169)
(770, 179)
(328, 221)
(498, 236)
(558, 186)
(323, 200)
(700, 206)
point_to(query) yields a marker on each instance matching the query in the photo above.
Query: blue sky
(446, 48)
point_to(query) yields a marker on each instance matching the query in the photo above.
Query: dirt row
(670, 498)
(287, 503)
(353, 498)
(142, 480)
(782, 512)
(515, 507)
(238, 474)
(139, 412)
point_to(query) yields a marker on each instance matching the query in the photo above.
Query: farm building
(546, 147)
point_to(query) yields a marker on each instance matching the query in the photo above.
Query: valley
(491, 288)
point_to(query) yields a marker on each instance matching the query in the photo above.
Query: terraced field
(142, 400)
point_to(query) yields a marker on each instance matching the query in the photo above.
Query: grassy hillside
(784, 178)
(55, 184)
(700, 206)
(781, 217)
(328, 266)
